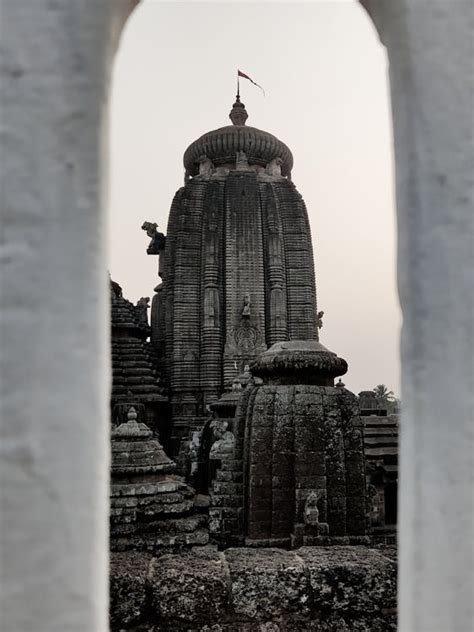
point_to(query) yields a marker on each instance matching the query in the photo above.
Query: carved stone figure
(224, 440)
(246, 307)
(311, 511)
(273, 168)
(206, 167)
(158, 240)
(142, 306)
(319, 317)
(241, 161)
(150, 228)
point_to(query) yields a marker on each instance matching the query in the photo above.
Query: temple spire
(238, 114)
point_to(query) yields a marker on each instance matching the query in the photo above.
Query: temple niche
(228, 427)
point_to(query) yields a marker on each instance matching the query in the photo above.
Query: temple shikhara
(231, 424)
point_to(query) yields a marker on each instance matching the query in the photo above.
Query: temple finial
(238, 115)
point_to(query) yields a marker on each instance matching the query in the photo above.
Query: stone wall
(328, 589)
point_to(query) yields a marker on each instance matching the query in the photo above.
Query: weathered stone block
(310, 464)
(127, 579)
(350, 580)
(267, 583)
(191, 587)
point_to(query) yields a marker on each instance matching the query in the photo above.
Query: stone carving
(246, 337)
(224, 440)
(319, 320)
(311, 511)
(274, 247)
(187, 177)
(222, 171)
(246, 307)
(150, 228)
(142, 307)
(206, 167)
(158, 240)
(211, 307)
(273, 168)
(241, 161)
(212, 246)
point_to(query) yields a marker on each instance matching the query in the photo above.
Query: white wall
(430, 45)
(55, 59)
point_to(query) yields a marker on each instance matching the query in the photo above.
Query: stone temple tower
(236, 265)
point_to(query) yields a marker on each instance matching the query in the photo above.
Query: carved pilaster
(301, 292)
(275, 277)
(186, 297)
(212, 270)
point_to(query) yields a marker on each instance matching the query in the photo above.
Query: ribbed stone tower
(237, 266)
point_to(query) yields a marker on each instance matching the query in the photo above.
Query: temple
(236, 266)
(228, 427)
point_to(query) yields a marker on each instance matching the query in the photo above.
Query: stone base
(320, 589)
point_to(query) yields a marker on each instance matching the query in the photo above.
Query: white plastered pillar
(55, 61)
(430, 46)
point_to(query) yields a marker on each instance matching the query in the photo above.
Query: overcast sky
(325, 76)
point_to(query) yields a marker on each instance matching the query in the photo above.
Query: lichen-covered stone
(350, 580)
(333, 589)
(267, 583)
(189, 587)
(127, 578)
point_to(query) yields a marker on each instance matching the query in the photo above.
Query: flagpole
(238, 86)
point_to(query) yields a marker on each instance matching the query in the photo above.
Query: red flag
(242, 74)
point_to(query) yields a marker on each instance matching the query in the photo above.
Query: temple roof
(221, 145)
(135, 450)
(125, 315)
(135, 375)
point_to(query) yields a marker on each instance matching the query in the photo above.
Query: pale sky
(325, 76)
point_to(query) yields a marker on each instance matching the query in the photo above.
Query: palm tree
(384, 397)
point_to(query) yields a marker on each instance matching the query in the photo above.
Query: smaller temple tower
(295, 474)
(135, 375)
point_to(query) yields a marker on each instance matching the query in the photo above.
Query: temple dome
(221, 145)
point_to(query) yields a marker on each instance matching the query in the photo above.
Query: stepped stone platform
(323, 589)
